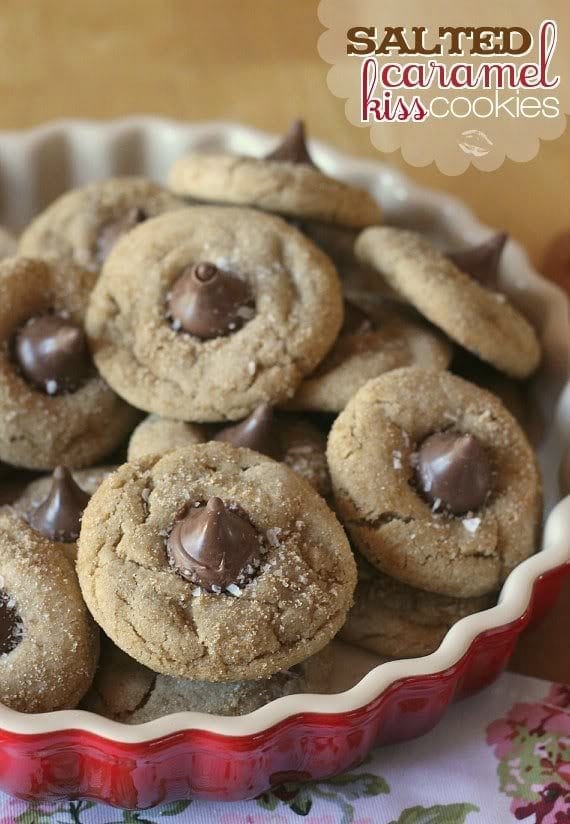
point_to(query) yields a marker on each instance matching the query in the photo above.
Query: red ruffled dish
(78, 754)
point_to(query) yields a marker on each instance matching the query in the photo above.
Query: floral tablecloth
(502, 756)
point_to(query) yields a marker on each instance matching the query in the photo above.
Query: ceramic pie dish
(79, 754)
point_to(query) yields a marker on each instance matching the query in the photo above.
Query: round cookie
(370, 343)
(53, 505)
(263, 303)
(129, 692)
(214, 563)
(285, 438)
(54, 407)
(286, 182)
(48, 643)
(37, 491)
(482, 321)
(82, 225)
(394, 620)
(435, 482)
(155, 436)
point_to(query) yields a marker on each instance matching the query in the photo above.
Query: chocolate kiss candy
(212, 546)
(293, 148)
(454, 472)
(59, 516)
(208, 302)
(356, 322)
(10, 634)
(112, 231)
(481, 262)
(52, 354)
(255, 432)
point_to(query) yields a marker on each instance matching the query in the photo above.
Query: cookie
(370, 343)
(155, 436)
(214, 563)
(285, 438)
(126, 691)
(83, 225)
(286, 181)
(394, 620)
(48, 643)
(54, 505)
(481, 320)
(204, 313)
(435, 482)
(54, 407)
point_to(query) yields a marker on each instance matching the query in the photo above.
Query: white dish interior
(38, 165)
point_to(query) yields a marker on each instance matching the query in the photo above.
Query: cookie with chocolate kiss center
(257, 431)
(454, 472)
(208, 302)
(52, 354)
(213, 546)
(59, 516)
(293, 147)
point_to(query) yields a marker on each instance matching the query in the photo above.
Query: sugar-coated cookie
(372, 341)
(481, 320)
(435, 482)
(286, 438)
(204, 313)
(395, 620)
(83, 225)
(125, 690)
(48, 642)
(286, 181)
(54, 407)
(214, 563)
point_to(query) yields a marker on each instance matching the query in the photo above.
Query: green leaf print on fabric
(439, 814)
(339, 791)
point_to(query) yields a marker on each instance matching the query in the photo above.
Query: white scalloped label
(458, 84)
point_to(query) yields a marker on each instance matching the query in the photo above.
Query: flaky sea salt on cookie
(435, 482)
(48, 642)
(214, 563)
(205, 313)
(83, 225)
(286, 181)
(481, 320)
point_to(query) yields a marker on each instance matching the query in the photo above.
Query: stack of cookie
(213, 330)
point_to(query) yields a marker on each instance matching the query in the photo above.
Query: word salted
(363, 40)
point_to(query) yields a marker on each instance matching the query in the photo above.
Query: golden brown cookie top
(204, 313)
(83, 225)
(435, 482)
(54, 406)
(287, 438)
(481, 320)
(371, 342)
(260, 583)
(48, 641)
(286, 182)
